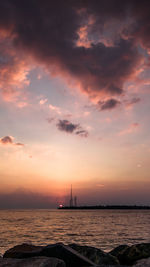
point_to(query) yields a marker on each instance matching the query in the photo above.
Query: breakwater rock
(74, 255)
(130, 254)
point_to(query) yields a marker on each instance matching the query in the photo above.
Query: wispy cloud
(55, 108)
(131, 129)
(131, 102)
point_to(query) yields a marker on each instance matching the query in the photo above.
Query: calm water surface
(104, 229)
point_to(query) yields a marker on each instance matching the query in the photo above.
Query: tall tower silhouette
(71, 198)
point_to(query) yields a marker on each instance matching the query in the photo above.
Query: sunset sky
(74, 102)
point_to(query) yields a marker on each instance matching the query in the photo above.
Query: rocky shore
(74, 255)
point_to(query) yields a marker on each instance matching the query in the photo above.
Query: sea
(104, 229)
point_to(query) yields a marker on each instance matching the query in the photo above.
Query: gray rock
(129, 255)
(32, 262)
(96, 255)
(143, 263)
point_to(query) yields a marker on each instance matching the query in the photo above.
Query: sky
(74, 102)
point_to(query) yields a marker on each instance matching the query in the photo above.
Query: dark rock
(32, 262)
(96, 255)
(131, 254)
(143, 263)
(119, 251)
(71, 257)
(19, 251)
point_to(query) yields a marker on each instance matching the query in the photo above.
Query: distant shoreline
(107, 207)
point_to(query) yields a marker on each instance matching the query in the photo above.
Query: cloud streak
(131, 129)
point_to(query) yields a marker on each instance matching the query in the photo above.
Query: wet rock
(96, 255)
(131, 254)
(21, 251)
(32, 262)
(143, 263)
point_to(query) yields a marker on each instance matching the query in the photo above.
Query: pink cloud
(43, 101)
(131, 129)
(55, 109)
(14, 70)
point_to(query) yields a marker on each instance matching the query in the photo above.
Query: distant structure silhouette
(75, 201)
(71, 198)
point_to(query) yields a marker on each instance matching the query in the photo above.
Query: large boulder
(143, 263)
(71, 257)
(32, 262)
(96, 255)
(20, 251)
(129, 255)
(119, 252)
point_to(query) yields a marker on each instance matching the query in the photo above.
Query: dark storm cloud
(108, 104)
(48, 31)
(8, 140)
(69, 127)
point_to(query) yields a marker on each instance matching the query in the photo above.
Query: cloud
(131, 129)
(69, 127)
(9, 140)
(131, 102)
(108, 104)
(14, 70)
(43, 101)
(82, 133)
(65, 125)
(55, 109)
(91, 44)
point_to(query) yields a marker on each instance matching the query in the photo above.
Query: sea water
(103, 229)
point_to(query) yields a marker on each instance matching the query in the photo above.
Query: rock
(32, 262)
(96, 255)
(143, 263)
(130, 255)
(71, 257)
(119, 251)
(19, 250)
